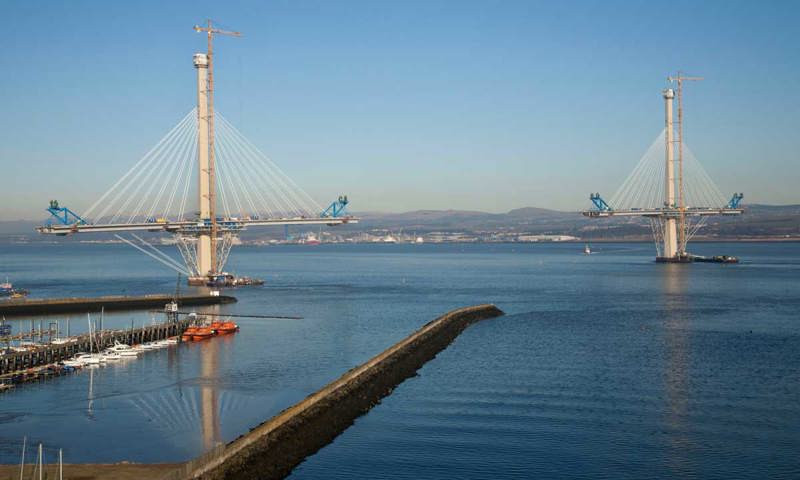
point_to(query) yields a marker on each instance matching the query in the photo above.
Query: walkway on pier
(112, 302)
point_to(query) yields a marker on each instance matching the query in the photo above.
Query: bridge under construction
(676, 196)
(235, 186)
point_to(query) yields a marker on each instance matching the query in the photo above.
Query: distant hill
(758, 221)
(18, 227)
(427, 220)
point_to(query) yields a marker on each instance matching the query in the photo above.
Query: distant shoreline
(248, 244)
(699, 240)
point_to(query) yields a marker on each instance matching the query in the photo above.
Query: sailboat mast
(89, 321)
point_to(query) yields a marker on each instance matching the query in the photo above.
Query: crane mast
(679, 79)
(207, 247)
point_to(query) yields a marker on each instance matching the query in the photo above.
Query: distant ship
(8, 290)
(389, 239)
(587, 250)
(310, 239)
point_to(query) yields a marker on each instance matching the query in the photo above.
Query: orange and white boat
(202, 333)
(226, 327)
(188, 334)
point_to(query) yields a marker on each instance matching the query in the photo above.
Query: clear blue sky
(488, 105)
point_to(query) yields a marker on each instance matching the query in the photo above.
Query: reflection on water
(209, 411)
(676, 358)
(89, 412)
(191, 407)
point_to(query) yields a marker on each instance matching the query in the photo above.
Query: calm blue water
(606, 366)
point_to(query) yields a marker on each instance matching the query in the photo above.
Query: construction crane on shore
(153, 195)
(649, 191)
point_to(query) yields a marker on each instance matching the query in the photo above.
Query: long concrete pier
(95, 304)
(15, 366)
(272, 449)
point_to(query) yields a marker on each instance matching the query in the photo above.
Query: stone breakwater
(271, 450)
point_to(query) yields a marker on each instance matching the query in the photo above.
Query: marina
(53, 359)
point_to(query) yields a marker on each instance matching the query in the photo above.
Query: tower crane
(679, 79)
(209, 147)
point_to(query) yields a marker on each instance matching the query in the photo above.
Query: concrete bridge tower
(204, 198)
(670, 223)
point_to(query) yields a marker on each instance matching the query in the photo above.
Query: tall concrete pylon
(204, 178)
(670, 224)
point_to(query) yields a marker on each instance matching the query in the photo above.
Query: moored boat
(87, 358)
(225, 327)
(110, 356)
(189, 333)
(203, 333)
(73, 363)
(123, 350)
